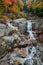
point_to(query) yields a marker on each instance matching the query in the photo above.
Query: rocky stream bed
(20, 45)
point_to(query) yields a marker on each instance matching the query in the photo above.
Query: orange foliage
(35, 4)
(7, 2)
(21, 3)
(14, 1)
(29, 6)
(14, 8)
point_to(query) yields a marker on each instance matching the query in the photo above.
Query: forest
(20, 7)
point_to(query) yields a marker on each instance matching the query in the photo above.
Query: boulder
(2, 29)
(21, 23)
(8, 39)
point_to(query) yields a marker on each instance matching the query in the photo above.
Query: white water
(31, 35)
(29, 30)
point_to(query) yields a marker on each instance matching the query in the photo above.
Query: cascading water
(29, 30)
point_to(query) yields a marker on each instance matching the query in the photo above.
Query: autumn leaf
(8, 2)
(20, 2)
(14, 8)
(14, 1)
(40, 4)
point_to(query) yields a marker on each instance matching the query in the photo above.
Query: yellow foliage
(40, 4)
(13, 16)
(18, 9)
(29, 5)
(13, 8)
(5, 17)
(35, 5)
(21, 15)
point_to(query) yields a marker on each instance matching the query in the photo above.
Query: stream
(28, 60)
(29, 30)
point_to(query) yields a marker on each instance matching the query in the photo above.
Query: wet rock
(2, 52)
(9, 30)
(2, 26)
(19, 20)
(2, 29)
(28, 62)
(12, 40)
(41, 37)
(21, 23)
(22, 27)
(4, 62)
(8, 39)
(16, 36)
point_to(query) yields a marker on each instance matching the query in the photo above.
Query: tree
(25, 7)
(1, 7)
(7, 2)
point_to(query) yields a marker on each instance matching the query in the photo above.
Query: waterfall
(29, 30)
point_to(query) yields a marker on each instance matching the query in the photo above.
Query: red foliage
(14, 1)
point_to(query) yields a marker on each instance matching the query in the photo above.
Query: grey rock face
(21, 23)
(2, 29)
(8, 38)
(28, 62)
